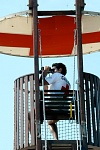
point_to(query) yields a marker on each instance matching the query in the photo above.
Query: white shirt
(57, 81)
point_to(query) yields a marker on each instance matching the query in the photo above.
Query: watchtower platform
(68, 124)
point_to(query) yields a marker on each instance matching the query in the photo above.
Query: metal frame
(49, 13)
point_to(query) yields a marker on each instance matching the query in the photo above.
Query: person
(55, 81)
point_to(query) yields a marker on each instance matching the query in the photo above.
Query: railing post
(79, 9)
(33, 6)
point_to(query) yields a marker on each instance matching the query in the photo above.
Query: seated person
(56, 81)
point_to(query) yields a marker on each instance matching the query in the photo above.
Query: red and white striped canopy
(57, 35)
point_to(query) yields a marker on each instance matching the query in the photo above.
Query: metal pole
(79, 8)
(33, 5)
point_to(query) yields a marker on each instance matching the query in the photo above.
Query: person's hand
(47, 68)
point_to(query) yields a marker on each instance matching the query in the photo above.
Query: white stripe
(17, 25)
(88, 48)
(90, 24)
(15, 51)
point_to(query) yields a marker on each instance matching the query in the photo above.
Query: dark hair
(60, 65)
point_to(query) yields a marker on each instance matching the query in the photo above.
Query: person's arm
(45, 72)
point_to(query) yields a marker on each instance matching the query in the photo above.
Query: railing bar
(92, 108)
(59, 99)
(59, 111)
(86, 78)
(26, 111)
(22, 111)
(32, 110)
(99, 111)
(17, 101)
(15, 115)
(97, 104)
(58, 103)
(61, 91)
(58, 94)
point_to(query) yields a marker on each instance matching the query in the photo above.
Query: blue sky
(12, 67)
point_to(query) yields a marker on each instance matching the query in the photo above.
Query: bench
(59, 105)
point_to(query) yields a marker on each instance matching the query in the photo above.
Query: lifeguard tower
(78, 111)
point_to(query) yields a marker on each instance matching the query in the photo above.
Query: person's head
(60, 67)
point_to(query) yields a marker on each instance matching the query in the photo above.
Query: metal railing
(24, 104)
(92, 107)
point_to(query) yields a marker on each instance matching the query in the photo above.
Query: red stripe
(15, 40)
(25, 41)
(93, 37)
(18, 40)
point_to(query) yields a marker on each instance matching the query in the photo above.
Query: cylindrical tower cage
(92, 108)
(69, 130)
(24, 102)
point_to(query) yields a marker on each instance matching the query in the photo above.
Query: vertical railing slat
(22, 111)
(17, 99)
(32, 110)
(96, 106)
(88, 107)
(92, 109)
(99, 111)
(26, 110)
(15, 115)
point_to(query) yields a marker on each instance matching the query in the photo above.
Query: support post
(79, 8)
(33, 6)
